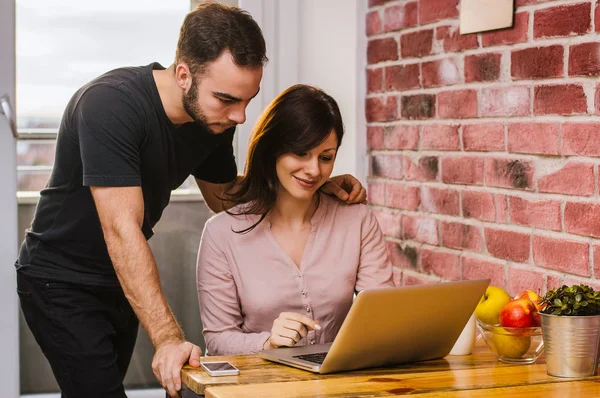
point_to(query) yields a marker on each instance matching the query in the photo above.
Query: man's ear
(183, 76)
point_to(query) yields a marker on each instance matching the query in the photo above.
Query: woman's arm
(219, 303)
(374, 269)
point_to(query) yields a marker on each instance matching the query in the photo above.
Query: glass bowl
(513, 345)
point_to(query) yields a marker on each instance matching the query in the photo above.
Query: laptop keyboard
(317, 357)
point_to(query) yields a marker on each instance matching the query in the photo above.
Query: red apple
(531, 296)
(519, 313)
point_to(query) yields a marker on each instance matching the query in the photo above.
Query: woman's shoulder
(339, 210)
(231, 220)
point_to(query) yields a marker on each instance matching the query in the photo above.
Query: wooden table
(476, 375)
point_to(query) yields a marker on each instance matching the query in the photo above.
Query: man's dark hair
(212, 28)
(298, 120)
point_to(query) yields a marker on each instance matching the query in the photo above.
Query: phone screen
(214, 366)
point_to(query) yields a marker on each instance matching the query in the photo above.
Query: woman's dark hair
(297, 121)
(213, 27)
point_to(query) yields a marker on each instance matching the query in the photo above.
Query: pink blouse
(245, 281)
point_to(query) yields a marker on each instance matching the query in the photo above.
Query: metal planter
(571, 344)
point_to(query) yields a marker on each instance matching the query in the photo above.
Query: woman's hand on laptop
(288, 329)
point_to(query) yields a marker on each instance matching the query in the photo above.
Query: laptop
(391, 326)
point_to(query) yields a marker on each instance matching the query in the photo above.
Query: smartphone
(223, 368)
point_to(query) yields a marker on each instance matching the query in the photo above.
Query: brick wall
(485, 148)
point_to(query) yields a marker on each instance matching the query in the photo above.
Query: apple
(519, 313)
(490, 305)
(531, 296)
(509, 346)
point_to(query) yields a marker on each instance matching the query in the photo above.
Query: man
(85, 272)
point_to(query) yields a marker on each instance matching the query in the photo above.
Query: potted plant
(571, 330)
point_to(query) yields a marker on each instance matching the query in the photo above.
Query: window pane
(63, 46)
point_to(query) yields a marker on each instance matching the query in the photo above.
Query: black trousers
(87, 334)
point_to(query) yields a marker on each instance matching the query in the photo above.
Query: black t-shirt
(114, 133)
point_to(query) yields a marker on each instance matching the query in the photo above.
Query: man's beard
(190, 104)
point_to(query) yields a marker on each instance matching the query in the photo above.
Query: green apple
(490, 305)
(509, 346)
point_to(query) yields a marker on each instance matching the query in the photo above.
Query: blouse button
(307, 308)
(312, 342)
(303, 293)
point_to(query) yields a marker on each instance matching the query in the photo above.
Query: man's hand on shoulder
(346, 188)
(168, 360)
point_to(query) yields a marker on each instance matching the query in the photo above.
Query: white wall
(322, 43)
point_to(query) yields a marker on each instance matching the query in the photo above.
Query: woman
(282, 266)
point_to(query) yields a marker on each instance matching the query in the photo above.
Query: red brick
(379, 50)
(462, 170)
(479, 205)
(509, 245)
(441, 137)
(596, 261)
(401, 137)
(443, 72)
(597, 100)
(379, 111)
(581, 139)
(416, 44)
(375, 80)
(440, 200)
(461, 236)
(373, 23)
(539, 138)
(420, 106)
(476, 268)
(553, 282)
(584, 59)
(434, 10)
(505, 101)
(412, 280)
(375, 137)
(402, 257)
(521, 279)
(567, 20)
(374, 3)
(582, 219)
(501, 208)
(521, 3)
(516, 34)
(389, 166)
(483, 137)
(537, 63)
(457, 104)
(421, 169)
(390, 223)
(452, 41)
(544, 214)
(597, 17)
(562, 255)
(420, 229)
(402, 77)
(563, 99)
(483, 67)
(401, 196)
(572, 179)
(443, 264)
(377, 193)
(509, 173)
(400, 16)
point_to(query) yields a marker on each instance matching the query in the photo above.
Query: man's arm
(211, 193)
(121, 212)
